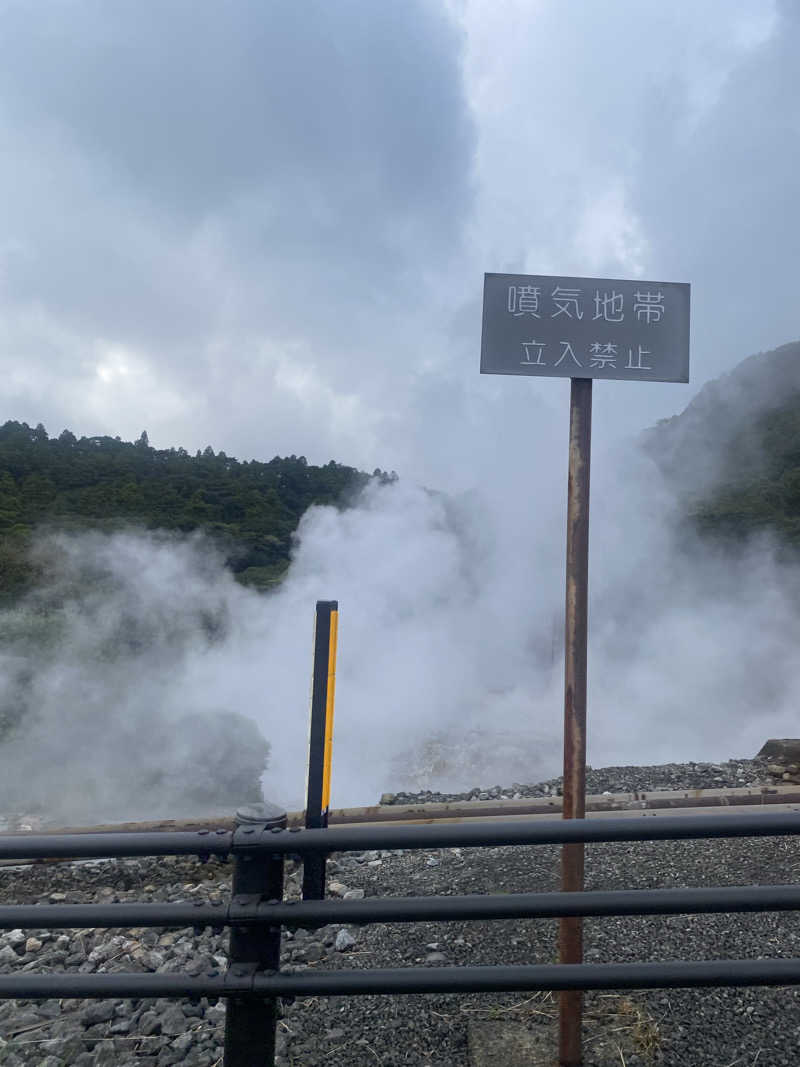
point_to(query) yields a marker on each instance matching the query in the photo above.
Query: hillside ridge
(732, 457)
(249, 508)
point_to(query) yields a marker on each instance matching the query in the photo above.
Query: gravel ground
(671, 776)
(675, 1028)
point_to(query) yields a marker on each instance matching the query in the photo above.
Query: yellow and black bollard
(320, 742)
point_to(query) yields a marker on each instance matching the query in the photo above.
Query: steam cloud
(143, 688)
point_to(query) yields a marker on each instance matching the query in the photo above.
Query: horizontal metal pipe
(503, 808)
(92, 846)
(315, 913)
(666, 975)
(243, 980)
(659, 800)
(638, 804)
(495, 832)
(40, 986)
(534, 905)
(361, 838)
(109, 916)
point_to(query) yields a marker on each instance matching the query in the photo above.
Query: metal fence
(256, 914)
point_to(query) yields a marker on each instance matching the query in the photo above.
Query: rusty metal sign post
(581, 328)
(570, 934)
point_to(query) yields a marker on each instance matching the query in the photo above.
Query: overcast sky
(264, 226)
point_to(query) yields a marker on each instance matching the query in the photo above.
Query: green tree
(250, 509)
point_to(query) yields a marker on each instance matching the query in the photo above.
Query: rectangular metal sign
(585, 328)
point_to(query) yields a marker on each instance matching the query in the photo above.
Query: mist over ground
(146, 677)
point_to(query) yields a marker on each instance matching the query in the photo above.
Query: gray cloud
(195, 107)
(266, 228)
(250, 187)
(720, 196)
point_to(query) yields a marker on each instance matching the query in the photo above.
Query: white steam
(133, 660)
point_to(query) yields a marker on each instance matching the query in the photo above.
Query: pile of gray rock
(111, 1033)
(148, 1032)
(731, 774)
(782, 757)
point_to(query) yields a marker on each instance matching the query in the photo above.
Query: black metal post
(320, 741)
(251, 1022)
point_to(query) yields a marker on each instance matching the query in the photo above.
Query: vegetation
(251, 509)
(759, 485)
(732, 457)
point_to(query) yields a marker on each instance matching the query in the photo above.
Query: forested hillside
(250, 509)
(733, 456)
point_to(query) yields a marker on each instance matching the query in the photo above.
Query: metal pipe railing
(365, 838)
(525, 979)
(551, 832)
(251, 911)
(256, 913)
(99, 846)
(250, 984)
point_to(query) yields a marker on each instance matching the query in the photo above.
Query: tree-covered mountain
(251, 509)
(733, 456)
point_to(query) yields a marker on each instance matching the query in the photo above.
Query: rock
(786, 749)
(344, 941)
(69, 1049)
(102, 1012)
(151, 961)
(105, 1054)
(215, 1015)
(183, 1043)
(337, 889)
(8, 955)
(354, 894)
(173, 1021)
(33, 944)
(149, 1024)
(387, 798)
(314, 952)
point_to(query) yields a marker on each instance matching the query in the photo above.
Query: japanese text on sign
(579, 327)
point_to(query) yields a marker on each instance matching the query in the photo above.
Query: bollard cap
(261, 812)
